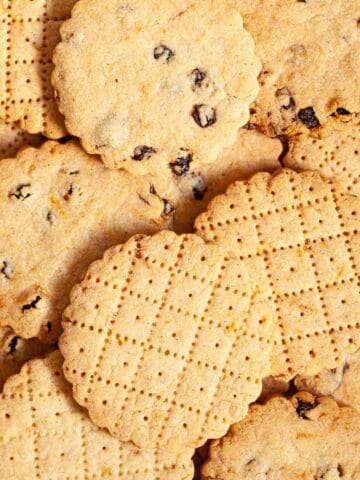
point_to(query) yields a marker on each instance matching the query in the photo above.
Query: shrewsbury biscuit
(60, 209)
(15, 351)
(299, 236)
(334, 152)
(155, 85)
(189, 194)
(45, 434)
(342, 383)
(12, 138)
(305, 437)
(161, 344)
(29, 30)
(311, 62)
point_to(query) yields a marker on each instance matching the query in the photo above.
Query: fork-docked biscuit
(333, 151)
(29, 30)
(161, 343)
(45, 434)
(299, 236)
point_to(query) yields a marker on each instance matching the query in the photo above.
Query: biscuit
(15, 351)
(12, 138)
(310, 55)
(334, 152)
(341, 383)
(161, 344)
(29, 30)
(155, 85)
(305, 437)
(189, 195)
(60, 209)
(272, 386)
(45, 434)
(299, 236)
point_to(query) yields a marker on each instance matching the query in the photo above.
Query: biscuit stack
(180, 256)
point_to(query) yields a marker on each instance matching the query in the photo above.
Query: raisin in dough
(188, 195)
(333, 151)
(341, 383)
(304, 438)
(155, 85)
(60, 209)
(311, 61)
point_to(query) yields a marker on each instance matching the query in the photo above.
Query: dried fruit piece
(308, 117)
(163, 53)
(159, 77)
(181, 165)
(142, 152)
(274, 442)
(204, 115)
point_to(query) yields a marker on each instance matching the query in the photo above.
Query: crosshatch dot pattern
(12, 138)
(334, 153)
(299, 237)
(29, 31)
(45, 434)
(159, 343)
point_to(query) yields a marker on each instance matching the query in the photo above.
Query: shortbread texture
(13, 138)
(161, 344)
(189, 195)
(305, 437)
(310, 61)
(299, 236)
(60, 209)
(155, 83)
(334, 152)
(341, 383)
(45, 434)
(15, 351)
(29, 31)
